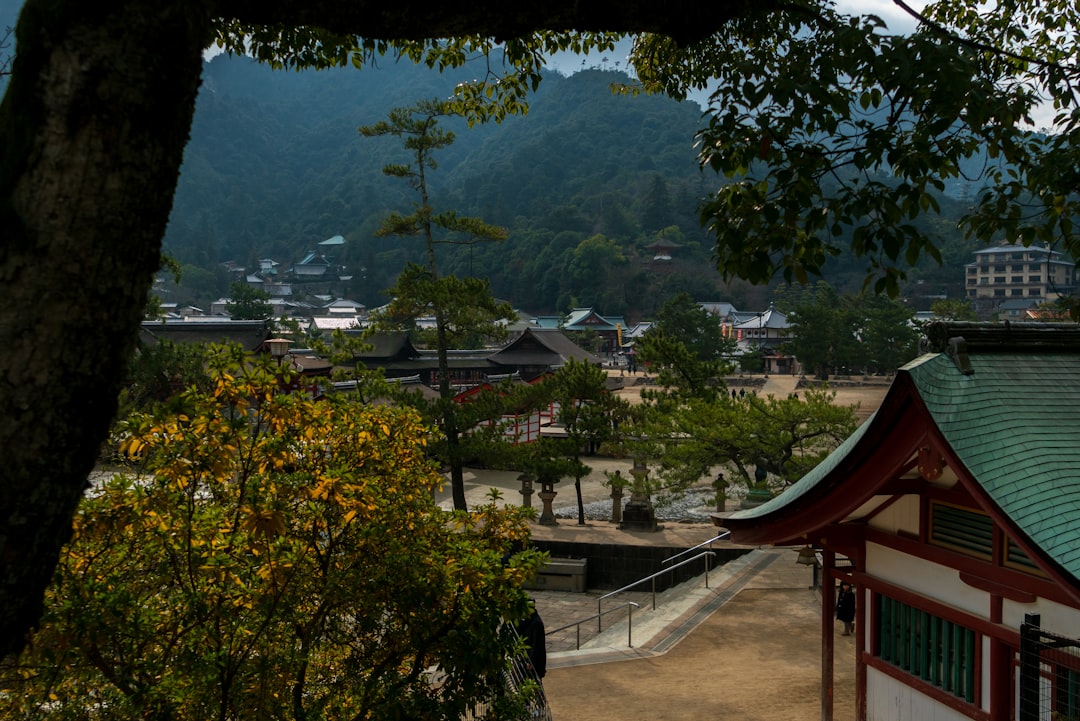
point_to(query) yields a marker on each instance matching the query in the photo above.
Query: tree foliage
(461, 308)
(831, 129)
(833, 332)
(700, 437)
(272, 557)
(68, 199)
(248, 302)
(953, 309)
(687, 347)
(589, 413)
(159, 372)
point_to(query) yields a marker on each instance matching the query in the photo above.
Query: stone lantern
(639, 514)
(526, 489)
(547, 495)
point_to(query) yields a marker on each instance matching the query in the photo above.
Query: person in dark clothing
(531, 629)
(845, 607)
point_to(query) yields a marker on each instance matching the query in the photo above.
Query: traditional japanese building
(955, 512)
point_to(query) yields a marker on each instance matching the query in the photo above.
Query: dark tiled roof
(249, 334)
(540, 346)
(389, 345)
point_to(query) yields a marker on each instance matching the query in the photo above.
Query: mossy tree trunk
(92, 132)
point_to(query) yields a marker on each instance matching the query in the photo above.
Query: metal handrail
(631, 605)
(599, 601)
(719, 536)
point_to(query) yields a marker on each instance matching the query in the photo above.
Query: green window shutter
(939, 652)
(1015, 556)
(969, 665)
(962, 529)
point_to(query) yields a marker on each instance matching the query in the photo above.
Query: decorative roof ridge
(965, 337)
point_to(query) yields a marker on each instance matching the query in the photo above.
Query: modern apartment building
(1013, 272)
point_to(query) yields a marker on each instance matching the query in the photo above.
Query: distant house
(549, 321)
(955, 512)
(767, 329)
(532, 354)
(385, 350)
(332, 242)
(517, 427)
(726, 312)
(395, 354)
(523, 322)
(587, 319)
(766, 332)
(538, 351)
(331, 323)
(267, 268)
(1015, 272)
(312, 266)
(662, 249)
(249, 334)
(1015, 309)
(343, 307)
(340, 314)
(408, 383)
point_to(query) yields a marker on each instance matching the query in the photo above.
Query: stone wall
(613, 566)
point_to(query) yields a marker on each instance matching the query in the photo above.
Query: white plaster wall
(903, 515)
(890, 700)
(926, 578)
(1056, 617)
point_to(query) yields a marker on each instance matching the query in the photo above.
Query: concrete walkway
(747, 649)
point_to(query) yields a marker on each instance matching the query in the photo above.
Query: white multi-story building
(1013, 272)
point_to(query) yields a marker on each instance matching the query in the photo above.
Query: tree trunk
(92, 132)
(580, 502)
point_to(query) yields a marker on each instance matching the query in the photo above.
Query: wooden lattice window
(939, 652)
(972, 532)
(962, 529)
(1015, 557)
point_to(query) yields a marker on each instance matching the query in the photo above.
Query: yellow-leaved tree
(268, 556)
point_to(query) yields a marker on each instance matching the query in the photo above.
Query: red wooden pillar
(862, 634)
(828, 613)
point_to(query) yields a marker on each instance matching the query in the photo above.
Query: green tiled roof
(1009, 408)
(1014, 422)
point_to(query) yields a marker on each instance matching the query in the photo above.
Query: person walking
(845, 607)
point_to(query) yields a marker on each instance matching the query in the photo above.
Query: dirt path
(757, 658)
(867, 397)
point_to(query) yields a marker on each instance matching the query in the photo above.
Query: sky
(895, 18)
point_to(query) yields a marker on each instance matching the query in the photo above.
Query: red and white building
(955, 512)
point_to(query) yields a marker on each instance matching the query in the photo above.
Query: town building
(955, 512)
(1017, 273)
(764, 332)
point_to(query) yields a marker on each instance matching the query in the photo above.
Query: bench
(561, 574)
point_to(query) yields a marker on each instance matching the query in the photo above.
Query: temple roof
(1002, 405)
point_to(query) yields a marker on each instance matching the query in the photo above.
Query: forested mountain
(585, 182)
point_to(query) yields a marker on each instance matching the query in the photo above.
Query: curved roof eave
(810, 503)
